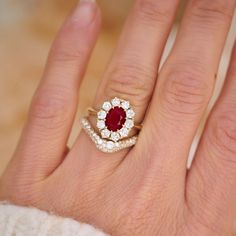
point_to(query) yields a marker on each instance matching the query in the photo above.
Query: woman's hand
(146, 190)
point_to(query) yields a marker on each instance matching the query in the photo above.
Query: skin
(145, 190)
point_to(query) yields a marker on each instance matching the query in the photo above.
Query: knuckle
(212, 11)
(222, 135)
(50, 106)
(154, 11)
(66, 54)
(66, 47)
(133, 82)
(184, 93)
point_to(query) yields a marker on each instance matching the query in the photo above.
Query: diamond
(129, 124)
(105, 133)
(124, 132)
(115, 136)
(117, 144)
(102, 115)
(115, 119)
(106, 106)
(101, 124)
(130, 113)
(110, 145)
(100, 142)
(125, 105)
(115, 102)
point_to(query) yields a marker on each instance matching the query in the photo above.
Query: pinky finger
(212, 179)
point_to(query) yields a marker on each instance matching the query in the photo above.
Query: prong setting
(123, 119)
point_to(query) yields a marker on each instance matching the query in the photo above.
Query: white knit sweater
(23, 221)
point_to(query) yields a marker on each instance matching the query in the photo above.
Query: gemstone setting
(107, 106)
(105, 133)
(115, 136)
(101, 124)
(115, 119)
(102, 114)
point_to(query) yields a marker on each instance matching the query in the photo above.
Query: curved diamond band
(106, 145)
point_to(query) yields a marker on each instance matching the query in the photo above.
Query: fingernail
(85, 12)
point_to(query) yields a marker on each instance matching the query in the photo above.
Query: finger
(133, 70)
(132, 73)
(184, 88)
(54, 105)
(212, 179)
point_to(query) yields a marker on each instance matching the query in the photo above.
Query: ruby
(115, 119)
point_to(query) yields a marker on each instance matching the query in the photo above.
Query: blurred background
(27, 28)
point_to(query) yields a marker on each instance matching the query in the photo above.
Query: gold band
(93, 112)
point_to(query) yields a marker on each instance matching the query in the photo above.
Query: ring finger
(133, 70)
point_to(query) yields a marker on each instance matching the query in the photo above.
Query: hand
(147, 189)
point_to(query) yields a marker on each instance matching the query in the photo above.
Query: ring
(94, 112)
(115, 120)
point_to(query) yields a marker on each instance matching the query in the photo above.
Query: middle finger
(184, 88)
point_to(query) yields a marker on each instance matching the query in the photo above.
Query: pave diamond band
(106, 145)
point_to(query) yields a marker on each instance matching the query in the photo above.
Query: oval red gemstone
(115, 119)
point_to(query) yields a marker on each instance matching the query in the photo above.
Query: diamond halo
(115, 119)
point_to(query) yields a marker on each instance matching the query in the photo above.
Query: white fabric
(23, 221)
